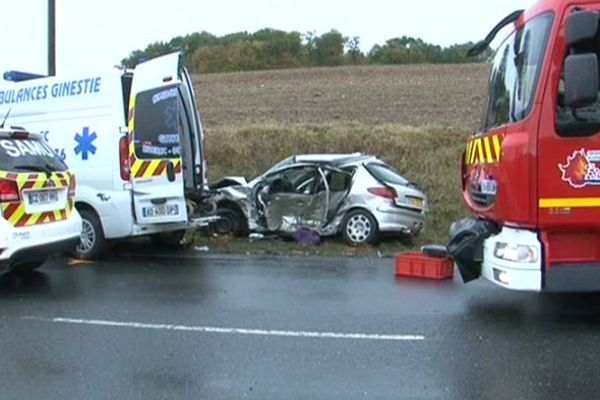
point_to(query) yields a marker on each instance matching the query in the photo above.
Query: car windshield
(28, 155)
(283, 163)
(386, 174)
(515, 73)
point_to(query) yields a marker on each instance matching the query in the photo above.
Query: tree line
(276, 49)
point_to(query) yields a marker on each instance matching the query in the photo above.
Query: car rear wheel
(92, 243)
(359, 227)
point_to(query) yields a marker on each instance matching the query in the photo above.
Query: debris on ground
(259, 236)
(307, 237)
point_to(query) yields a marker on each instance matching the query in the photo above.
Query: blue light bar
(18, 76)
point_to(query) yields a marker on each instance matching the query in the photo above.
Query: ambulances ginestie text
(56, 90)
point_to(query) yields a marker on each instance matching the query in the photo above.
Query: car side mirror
(581, 26)
(581, 80)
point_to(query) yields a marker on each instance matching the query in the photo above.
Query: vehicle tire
(92, 244)
(230, 222)
(359, 227)
(26, 267)
(174, 240)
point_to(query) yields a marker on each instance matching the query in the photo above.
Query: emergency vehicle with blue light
(37, 215)
(133, 138)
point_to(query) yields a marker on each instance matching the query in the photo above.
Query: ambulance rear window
(156, 127)
(28, 155)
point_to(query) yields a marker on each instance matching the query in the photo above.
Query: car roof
(338, 160)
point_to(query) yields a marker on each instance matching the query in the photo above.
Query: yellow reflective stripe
(497, 147)
(130, 124)
(33, 219)
(152, 167)
(473, 149)
(55, 180)
(481, 158)
(17, 214)
(129, 113)
(39, 182)
(468, 152)
(488, 150)
(484, 150)
(570, 202)
(135, 167)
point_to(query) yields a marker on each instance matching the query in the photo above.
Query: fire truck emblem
(581, 168)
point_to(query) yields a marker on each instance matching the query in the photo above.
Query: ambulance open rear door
(157, 133)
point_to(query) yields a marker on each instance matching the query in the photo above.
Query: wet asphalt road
(242, 326)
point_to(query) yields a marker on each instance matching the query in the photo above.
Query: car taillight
(388, 193)
(9, 191)
(72, 186)
(124, 158)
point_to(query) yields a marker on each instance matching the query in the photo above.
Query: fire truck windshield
(515, 73)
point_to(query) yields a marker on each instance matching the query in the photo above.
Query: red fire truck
(531, 177)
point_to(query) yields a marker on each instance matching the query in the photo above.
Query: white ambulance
(134, 140)
(37, 218)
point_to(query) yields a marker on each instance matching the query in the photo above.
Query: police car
(37, 216)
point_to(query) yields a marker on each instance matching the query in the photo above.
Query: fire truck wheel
(92, 244)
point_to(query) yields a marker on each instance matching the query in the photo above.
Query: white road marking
(238, 331)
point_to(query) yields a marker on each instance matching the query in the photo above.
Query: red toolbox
(419, 265)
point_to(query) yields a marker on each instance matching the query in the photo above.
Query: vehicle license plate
(43, 197)
(489, 187)
(160, 211)
(416, 201)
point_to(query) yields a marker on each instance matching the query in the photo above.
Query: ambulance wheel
(175, 240)
(92, 243)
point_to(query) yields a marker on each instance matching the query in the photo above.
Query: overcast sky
(98, 33)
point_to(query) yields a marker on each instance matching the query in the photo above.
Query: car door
(568, 153)
(293, 198)
(338, 184)
(155, 131)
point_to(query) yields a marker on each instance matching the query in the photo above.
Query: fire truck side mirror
(581, 26)
(581, 80)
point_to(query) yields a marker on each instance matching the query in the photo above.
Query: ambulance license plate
(43, 197)
(160, 211)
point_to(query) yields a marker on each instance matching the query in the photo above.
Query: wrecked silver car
(356, 195)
